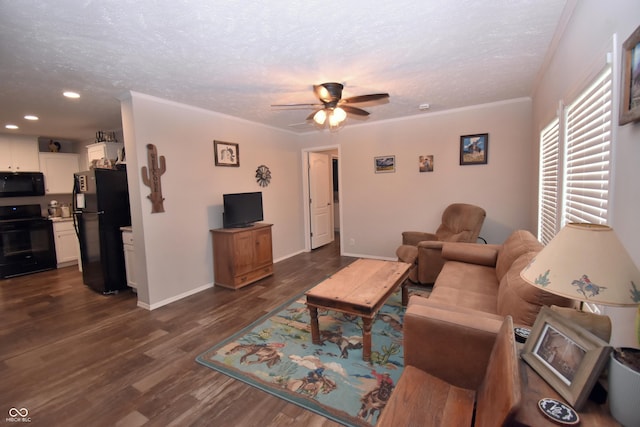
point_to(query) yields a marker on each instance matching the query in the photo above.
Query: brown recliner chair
(461, 222)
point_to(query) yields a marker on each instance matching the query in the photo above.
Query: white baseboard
(384, 258)
(199, 289)
(174, 298)
(289, 256)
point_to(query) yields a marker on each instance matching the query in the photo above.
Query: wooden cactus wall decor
(151, 178)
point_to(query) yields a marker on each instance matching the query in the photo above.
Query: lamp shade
(586, 262)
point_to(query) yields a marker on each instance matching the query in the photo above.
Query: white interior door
(320, 205)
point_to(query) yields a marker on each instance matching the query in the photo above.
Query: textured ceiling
(238, 57)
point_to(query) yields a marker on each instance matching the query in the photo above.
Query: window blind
(587, 153)
(549, 180)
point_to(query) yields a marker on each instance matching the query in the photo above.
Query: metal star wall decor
(263, 175)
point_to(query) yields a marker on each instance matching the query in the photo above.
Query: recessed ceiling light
(31, 117)
(69, 94)
(11, 126)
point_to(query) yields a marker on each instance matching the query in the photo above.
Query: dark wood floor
(73, 357)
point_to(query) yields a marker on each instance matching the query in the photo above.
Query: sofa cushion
(521, 300)
(453, 308)
(467, 277)
(518, 243)
(479, 301)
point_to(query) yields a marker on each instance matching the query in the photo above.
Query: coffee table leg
(315, 329)
(366, 339)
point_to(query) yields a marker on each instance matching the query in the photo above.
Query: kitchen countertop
(127, 228)
(59, 219)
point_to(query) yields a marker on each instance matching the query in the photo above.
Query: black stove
(20, 213)
(26, 241)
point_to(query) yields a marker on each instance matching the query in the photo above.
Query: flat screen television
(241, 209)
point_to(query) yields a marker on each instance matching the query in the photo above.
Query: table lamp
(587, 263)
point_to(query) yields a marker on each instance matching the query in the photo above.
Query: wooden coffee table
(359, 289)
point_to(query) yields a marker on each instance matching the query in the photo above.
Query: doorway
(321, 187)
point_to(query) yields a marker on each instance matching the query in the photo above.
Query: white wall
(587, 36)
(377, 208)
(173, 248)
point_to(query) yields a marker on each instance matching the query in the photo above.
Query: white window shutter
(587, 159)
(549, 182)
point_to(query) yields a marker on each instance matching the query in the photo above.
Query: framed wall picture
(630, 93)
(474, 149)
(226, 153)
(425, 163)
(565, 355)
(384, 164)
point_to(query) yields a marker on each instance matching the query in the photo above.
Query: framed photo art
(474, 149)
(226, 153)
(425, 163)
(565, 355)
(630, 99)
(384, 164)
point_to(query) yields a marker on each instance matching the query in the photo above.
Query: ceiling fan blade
(297, 105)
(354, 110)
(364, 98)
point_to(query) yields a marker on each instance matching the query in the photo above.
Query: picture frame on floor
(630, 91)
(568, 357)
(474, 149)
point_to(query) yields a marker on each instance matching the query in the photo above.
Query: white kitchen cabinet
(100, 150)
(66, 240)
(19, 154)
(129, 258)
(58, 170)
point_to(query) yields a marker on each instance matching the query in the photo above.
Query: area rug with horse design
(276, 354)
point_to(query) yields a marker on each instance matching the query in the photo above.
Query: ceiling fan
(333, 108)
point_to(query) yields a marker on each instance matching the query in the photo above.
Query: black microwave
(21, 184)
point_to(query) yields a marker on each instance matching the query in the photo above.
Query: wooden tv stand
(242, 256)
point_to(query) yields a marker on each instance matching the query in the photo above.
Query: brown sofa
(450, 335)
(485, 279)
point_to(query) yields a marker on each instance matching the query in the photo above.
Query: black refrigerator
(100, 208)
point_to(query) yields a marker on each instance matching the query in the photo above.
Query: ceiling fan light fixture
(329, 92)
(323, 93)
(334, 126)
(320, 117)
(70, 94)
(334, 109)
(339, 114)
(336, 119)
